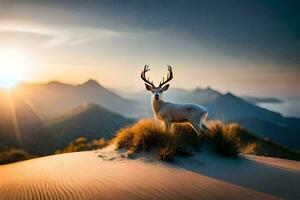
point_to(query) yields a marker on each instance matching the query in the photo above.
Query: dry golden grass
(231, 139)
(227, 139)
(251, 148)
(150, 135)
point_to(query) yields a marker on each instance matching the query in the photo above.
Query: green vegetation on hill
(14, 155)
(226, 139)
(79, 144)
(82, 144)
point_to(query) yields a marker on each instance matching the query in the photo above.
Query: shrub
(225, 138)
(98, 144)
(82, 144)
(251, 148)
(150, 135)
(231, 139)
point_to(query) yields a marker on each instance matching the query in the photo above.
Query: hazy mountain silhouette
(256, 100)
(20, 126)
(279, 133)
(198, 95)
(88, 120)
(18, 121)
(230, 108)
(54, 98)
(89, 110)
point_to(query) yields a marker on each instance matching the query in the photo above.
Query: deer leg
(202, 119)
(196, 127)
(167, 126)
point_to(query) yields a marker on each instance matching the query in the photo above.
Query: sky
(246, 47)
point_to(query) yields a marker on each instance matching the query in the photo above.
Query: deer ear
(148, 87)
(165, 88)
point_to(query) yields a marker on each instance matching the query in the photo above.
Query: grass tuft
(150, 135)
(226, 139)
(231, 139)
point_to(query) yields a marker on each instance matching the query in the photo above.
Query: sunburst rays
(14, 117)
(13, 106)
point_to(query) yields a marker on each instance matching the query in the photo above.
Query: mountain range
(55, 98)
(21, 126)
(262, 122)
(41, 118)
(256, 100)
(17, 120)
(88, 120)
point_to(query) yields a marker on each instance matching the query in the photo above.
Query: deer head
(157, 91)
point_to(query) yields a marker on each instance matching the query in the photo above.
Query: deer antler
(169, 77)
(143, 76)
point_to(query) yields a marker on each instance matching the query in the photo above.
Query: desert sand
(108, 174)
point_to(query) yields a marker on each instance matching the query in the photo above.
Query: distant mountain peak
(199, 89)
(229, 95)
(55, 83)
(89, 106)
(207, 89)
(83, 110)
(91, 82)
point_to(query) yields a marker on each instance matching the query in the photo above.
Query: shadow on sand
(242, 171)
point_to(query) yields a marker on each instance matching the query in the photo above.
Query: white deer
(169, 112)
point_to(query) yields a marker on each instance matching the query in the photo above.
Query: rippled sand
(105, 175)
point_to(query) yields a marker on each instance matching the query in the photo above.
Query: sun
(14, 65)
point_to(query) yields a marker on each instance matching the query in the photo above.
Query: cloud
(59, 35)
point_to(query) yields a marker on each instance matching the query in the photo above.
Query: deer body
(178, 113)
(174, 112)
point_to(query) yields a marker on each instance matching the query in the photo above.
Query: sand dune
(282, 163)
(106, 174)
